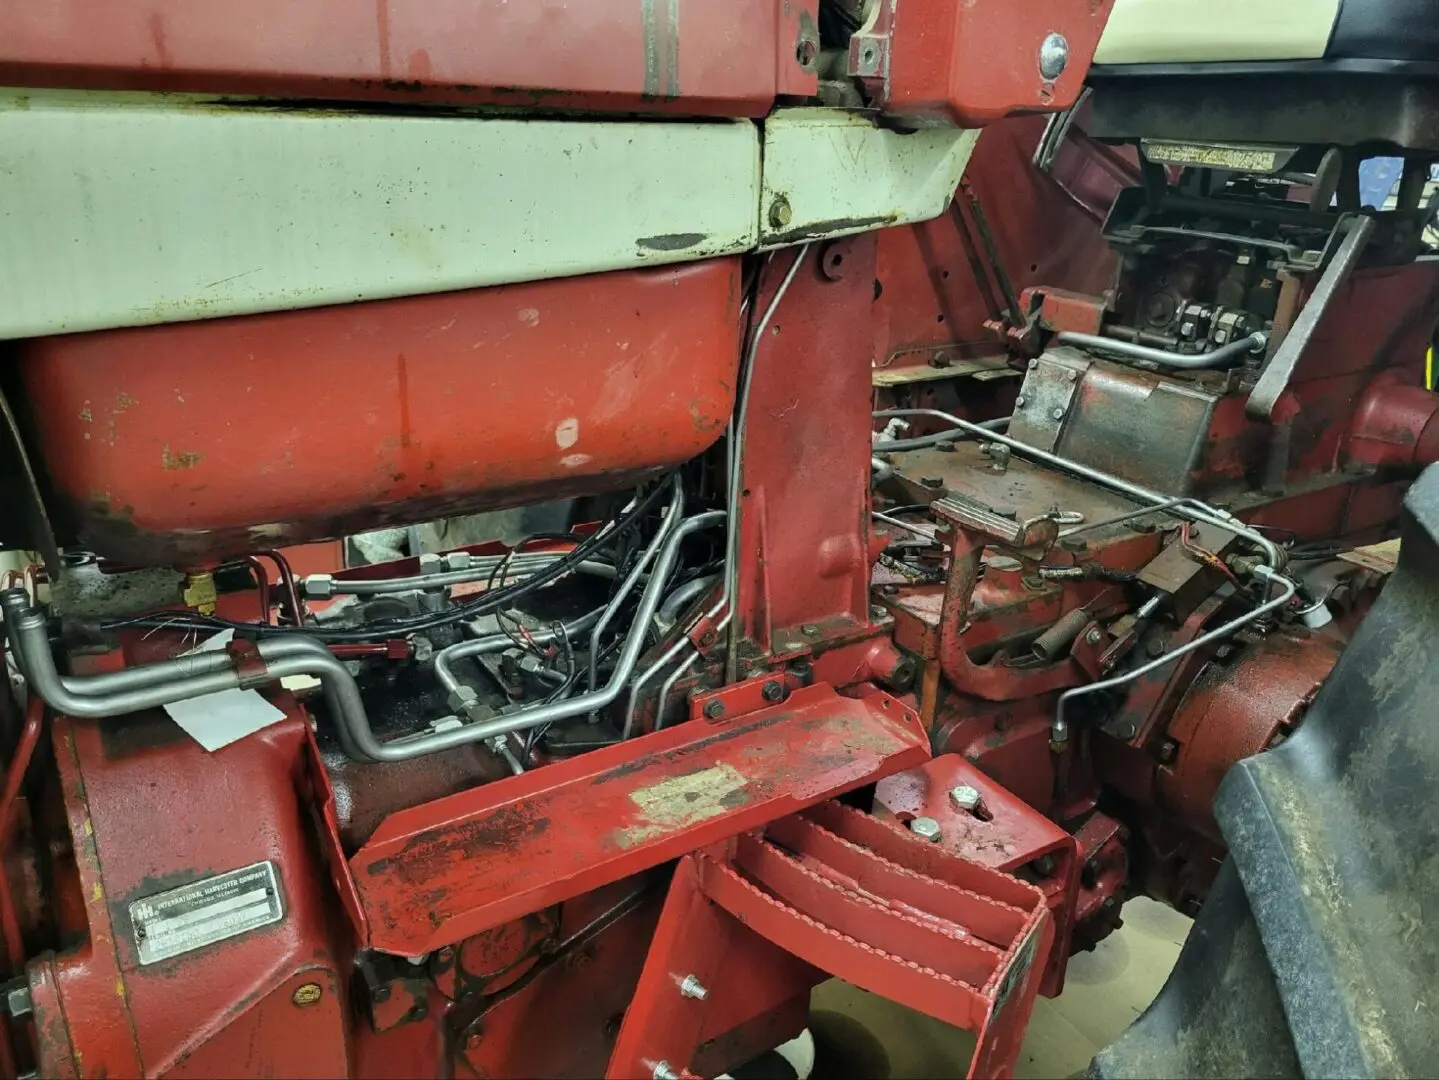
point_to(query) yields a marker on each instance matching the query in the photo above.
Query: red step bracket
(435, 874)
(859, 898)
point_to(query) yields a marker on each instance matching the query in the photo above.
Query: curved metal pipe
(672, 517)
(1275, 555)
(1215, 358)
(675, 603)
(1059, 729)
(738, 424)
(493, 643)
(538, 715)
(322, 586)
(669, 684)
(920, 442)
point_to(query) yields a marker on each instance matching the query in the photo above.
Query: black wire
(483, 604)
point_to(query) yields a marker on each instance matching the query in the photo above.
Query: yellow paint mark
(97, 894)
(89, 829)
(682, 801)
(119, 987)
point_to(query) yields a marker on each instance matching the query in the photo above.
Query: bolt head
(932, 482)
(18, 1001)
(1058, 414)
(1072, 376)
(965, 797)
(306, 994)
(1019, 402)
(809, 630)
(714, 709)
(1053, 56)
(780, 214)
(772, 691)
(1033, 364)
(1094, 636)
(691, 987)
(926, 828)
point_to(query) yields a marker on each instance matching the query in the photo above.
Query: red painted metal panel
(229, 1007)
(920, 950)
(691, 56)
(438, 873)
(976, 61)
(805, 515)
(195, 441)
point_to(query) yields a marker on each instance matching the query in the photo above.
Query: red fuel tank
(190, 443)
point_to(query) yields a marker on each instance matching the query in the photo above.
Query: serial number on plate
(204, 912)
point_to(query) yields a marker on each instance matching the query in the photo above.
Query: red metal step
(435, 874)
(858, 898)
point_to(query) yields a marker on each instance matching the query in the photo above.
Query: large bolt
(1053, 56)
(932, 482)
(662, 1071)
(780, 213)
(809, 629)
(714, 709)
(926, 828)
(1058, 414)
(965, 797)
(691, 987)
(1094, 636)
(772, 691)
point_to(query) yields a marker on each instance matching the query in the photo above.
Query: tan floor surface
(1104, 991)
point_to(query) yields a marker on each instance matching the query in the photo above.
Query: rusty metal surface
(654, 56)
(1235, 709)
(440, 872)
(198, 441)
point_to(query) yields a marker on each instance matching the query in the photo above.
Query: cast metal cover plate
(204, 912)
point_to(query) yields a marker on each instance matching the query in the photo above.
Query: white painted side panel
(124, 211)
(1213, 31)
(840, 174)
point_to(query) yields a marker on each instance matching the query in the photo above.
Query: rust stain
(157, 37)
(402, 379)
(185, 459)
(382, 26)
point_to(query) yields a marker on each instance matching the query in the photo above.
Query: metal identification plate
(214, 909)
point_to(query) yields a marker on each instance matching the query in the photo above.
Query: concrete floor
(860, 1035)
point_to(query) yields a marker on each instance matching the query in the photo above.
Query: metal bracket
(1045, 398)
(1274, 380)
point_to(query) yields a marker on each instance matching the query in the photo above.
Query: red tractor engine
(867, 490)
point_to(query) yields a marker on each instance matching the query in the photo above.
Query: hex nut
(965, 797)
(772, 691)
(926, 828)
(319, 587)
(457, 560)
(714, 709)
(430, 563)
(461, 698)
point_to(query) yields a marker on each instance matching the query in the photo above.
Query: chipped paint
(682, 801)
(175, 461)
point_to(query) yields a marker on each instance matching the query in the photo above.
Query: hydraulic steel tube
(1232, 353)
(493, 643)
(649, 673)
(1059, 729)
(921, 442)
(738, 424)
(669, 684)
(682, 597)
(672, 517)
(1275, 556)
(323, 585)
(536, 716)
